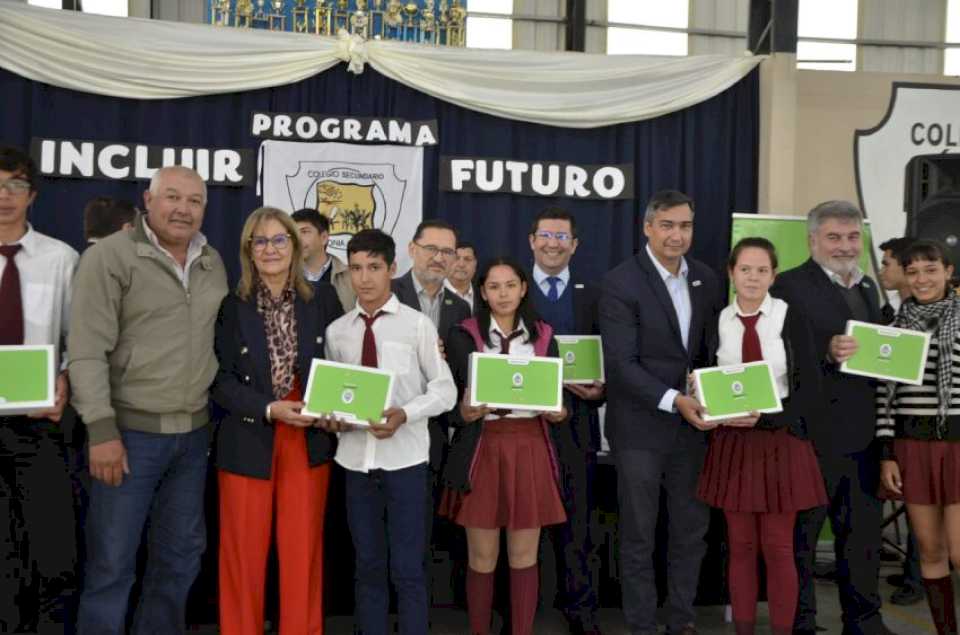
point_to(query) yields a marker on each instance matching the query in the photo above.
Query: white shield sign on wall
(356, 186)
(921, 119)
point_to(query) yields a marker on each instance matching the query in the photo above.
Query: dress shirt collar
(193, 249)
(314, 276)
(664, 273)
(495, 330)
(27, 242)
(390, 306)
(540, 276)
(765, 307)
(468, 295)
(420, 290)
(838, 279)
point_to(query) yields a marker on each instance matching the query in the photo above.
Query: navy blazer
(583, 431)
(453, 311)
(850, 424)
(243, 386)
(643, 350)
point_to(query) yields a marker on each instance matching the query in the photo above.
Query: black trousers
(855, 515)
(37, 542)
(640, 475)
(573, 540)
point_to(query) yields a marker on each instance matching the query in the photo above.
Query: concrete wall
(831, 107)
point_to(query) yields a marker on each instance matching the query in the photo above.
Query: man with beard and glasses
(832, 289)
(433, 251)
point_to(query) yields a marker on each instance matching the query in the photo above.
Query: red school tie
(11, 317)
(750, 351)
(369, 355)
(505, 341)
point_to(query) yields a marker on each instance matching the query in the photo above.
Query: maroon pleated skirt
(930, 471)
(512, 481)
(760, 471)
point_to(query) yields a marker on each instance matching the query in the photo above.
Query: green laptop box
(582, 357)
(27, 378)
(885, 352)
(516, 383)
(737, 390)
(356, 394)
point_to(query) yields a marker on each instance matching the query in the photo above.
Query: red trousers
(298, 495)
(749, 534)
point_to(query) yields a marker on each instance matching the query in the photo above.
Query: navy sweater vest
(557, 314)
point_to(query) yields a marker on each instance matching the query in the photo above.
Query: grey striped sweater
(914, 409)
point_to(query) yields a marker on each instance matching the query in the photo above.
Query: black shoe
(579, 627)
(895, 579)
(825, 571)
(907, 594)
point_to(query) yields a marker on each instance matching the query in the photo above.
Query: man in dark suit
(569, 305)
(461, 280)
(832, 289)
(657, 312)
(432, 251)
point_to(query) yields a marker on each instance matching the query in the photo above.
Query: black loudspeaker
(932, 199)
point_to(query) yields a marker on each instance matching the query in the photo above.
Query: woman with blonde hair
(272, 462)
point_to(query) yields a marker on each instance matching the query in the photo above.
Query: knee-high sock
(743, 574)
(776, 543)
(940, 598)
(524, 590)
(479, 601)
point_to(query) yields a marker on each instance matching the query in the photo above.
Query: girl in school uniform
(501, 472)
(919, 426)
(761, 469)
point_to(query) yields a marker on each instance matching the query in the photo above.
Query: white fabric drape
(152, 59)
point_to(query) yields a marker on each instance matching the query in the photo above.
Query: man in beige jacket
(141, 362)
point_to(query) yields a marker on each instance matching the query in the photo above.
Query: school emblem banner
(356, 186)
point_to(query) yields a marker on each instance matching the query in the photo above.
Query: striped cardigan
(913, 413)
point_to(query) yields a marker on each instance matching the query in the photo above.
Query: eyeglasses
(15, 186)
(280, 242)
(547, 235)
(433, 250)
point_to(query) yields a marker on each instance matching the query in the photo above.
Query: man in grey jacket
(145, 305)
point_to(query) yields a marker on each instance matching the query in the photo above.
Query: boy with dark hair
(319, 265)
(387, 464)
(36, 538)
(104, 215)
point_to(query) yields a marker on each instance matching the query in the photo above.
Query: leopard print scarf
(280, 323)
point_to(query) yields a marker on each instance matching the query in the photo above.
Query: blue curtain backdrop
(709, 151)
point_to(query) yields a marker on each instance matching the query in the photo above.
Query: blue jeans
(166, 483)
(389, 508)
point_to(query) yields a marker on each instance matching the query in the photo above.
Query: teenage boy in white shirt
(387, 464)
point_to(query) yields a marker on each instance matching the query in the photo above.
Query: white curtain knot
(351, 49)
